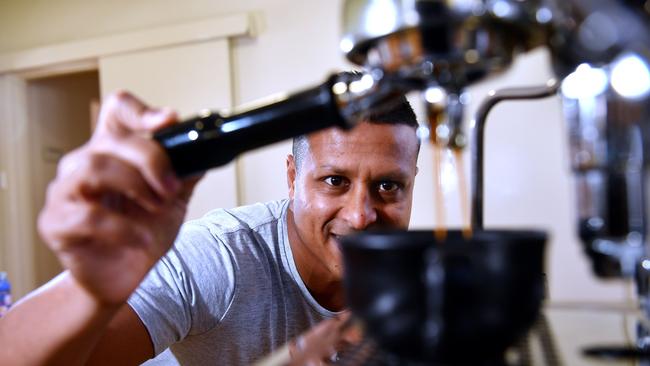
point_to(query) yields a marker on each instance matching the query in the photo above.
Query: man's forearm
(58, 324)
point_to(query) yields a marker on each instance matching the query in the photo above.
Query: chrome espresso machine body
(600, 52)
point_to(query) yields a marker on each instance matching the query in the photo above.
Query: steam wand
(493, 98)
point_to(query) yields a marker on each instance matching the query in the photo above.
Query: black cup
(458, 301)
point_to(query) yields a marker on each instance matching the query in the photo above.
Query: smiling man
(236, 284)
(344, 182)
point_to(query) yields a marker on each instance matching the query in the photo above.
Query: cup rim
(411, 239)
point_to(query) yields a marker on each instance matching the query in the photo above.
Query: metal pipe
(493, 98)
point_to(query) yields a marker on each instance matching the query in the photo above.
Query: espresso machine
(600, 54)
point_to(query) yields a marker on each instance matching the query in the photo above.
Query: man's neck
(326, 288)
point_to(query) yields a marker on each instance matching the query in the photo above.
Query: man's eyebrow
(396, 175)
(332, 168)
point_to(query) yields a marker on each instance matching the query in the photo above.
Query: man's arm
(112, 211)
(125, 342)
(61, 324)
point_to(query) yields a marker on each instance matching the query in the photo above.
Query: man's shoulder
(220, 222)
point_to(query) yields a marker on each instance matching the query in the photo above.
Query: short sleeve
(190, 289)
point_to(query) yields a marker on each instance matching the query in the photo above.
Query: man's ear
(291, 175)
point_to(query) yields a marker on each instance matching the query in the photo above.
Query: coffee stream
(463, 192)
(440, 229)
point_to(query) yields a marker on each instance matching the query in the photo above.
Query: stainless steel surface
(607, 148)
(423, 45)
(356, 94)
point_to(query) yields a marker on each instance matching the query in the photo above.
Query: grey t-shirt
(228, 292)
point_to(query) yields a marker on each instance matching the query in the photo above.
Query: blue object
(5, 293)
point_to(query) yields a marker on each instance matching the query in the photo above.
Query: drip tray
(368, 353)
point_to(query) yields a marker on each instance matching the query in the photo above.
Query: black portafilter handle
(210, 140)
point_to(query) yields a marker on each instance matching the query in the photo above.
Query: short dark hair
(398, 113)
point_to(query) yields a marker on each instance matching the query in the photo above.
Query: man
(237, 283)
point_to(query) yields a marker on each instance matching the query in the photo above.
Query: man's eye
(335, 181)
(388, 187)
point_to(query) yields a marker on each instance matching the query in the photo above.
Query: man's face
(349, 182)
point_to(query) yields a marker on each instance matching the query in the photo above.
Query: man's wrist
(86, 299)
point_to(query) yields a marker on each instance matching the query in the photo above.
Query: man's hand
(115, 206)
(321, 344)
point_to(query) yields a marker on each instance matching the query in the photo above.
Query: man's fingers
(187, 188)
(154, 119)
(123, 113)
(108, 174)
(94, 173)
(147, 157)
(86, 223)
(124, 130)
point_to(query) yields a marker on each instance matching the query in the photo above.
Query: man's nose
(359, 210)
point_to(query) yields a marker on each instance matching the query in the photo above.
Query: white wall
(527, 174)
